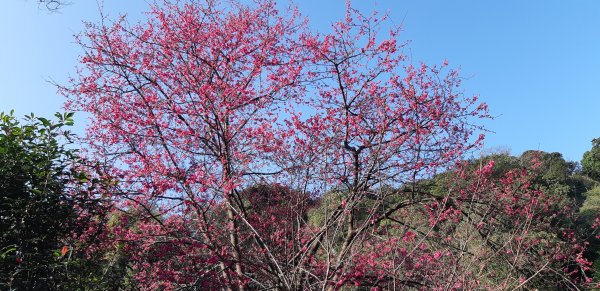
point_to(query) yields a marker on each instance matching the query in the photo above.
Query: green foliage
(326, 205)
(591, 206)
(382, 199)
(585, 182)
(40, 204)
(589, 211)
(554, 167)
(590, 164)
(556, 176)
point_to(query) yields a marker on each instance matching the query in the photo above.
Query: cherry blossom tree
(378, 121)
(183, 106)
(254, 153)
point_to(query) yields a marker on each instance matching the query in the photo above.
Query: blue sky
(536, 63)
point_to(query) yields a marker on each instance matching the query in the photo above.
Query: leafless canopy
(52, 5)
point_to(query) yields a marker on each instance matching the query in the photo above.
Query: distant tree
(590, 164)
(555, 167)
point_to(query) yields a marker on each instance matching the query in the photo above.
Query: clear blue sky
(536, 63)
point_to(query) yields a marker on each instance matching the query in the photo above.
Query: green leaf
(44, 121)
(5, 251)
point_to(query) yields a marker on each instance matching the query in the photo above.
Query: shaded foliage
(47, 203)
